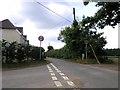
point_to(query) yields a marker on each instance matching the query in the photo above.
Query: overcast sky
(36, 20)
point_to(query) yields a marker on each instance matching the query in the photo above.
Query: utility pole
(74, 13)
(75, 23)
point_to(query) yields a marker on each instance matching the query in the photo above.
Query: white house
(11, 33)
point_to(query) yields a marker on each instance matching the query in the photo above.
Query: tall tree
(76, 38)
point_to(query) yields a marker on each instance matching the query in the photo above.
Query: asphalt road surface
(60, 74)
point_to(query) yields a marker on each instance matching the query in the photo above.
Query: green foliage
(59, 53)
(105, 59)
(108, 14)
(50, 48)
(35, 53)
(76, 38)
(20, 53)
(112, 52)
(16, 53)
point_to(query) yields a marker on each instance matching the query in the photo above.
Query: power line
(52, 11)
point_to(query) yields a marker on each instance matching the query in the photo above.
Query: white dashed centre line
(50, 71)
(70, 83)
(61, 74)
(52, 74)
(65, 78)
(58, 84)
(58, 71)
(54, 78)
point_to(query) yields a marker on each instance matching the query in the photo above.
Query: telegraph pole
(74, 13)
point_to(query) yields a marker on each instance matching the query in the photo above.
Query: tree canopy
(76, 37)
(107, 15)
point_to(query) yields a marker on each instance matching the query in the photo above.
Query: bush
(105, 60)
(15, 52)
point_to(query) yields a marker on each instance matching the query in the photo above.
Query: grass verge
(88, 61)
(27, 64)
(93, 62)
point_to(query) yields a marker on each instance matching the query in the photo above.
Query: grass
(93, 61)
(29, 63)
(115, 59)
(88, 61)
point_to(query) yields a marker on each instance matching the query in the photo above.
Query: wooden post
(94, 54)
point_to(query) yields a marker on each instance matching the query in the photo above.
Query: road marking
(50, 70)
(58, 71)
(58, 84)
(48, 66)
(65, 78)
(54, 66)
(54, 78)
(52, 74)
(70, 83)
(61, 74)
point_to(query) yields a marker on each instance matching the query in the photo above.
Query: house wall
(22, 39)
(11, 35)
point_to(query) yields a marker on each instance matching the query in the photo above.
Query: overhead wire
(52, 11)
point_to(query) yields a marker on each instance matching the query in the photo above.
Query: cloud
(42, 17)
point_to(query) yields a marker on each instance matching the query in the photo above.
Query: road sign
(40, 38)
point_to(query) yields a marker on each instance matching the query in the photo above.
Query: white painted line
(51, 63)
(50, 70)
(52, 74)
(58, 84)
(65, 78)
(58, 71)
(61, 74)
(54, 66)
(54, 78)
(70, 83)
(49, 67)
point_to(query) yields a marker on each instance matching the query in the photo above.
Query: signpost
(40, 38)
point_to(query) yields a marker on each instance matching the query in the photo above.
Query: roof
(20, 29)
(6, 24)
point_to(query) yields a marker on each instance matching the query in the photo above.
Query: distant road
(61, 74)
